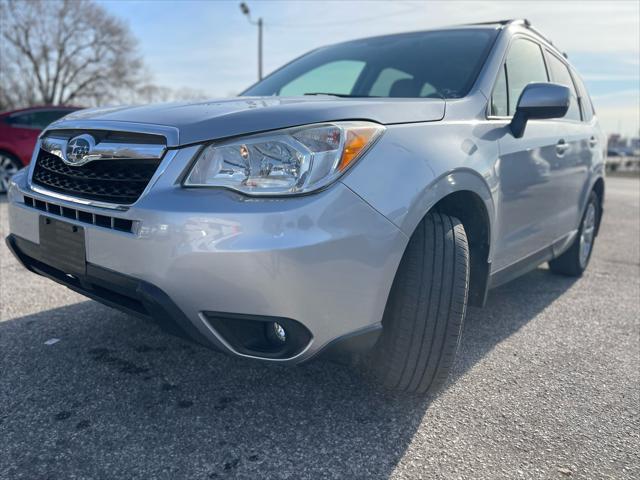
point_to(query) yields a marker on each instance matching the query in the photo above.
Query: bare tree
(151, 93)
(64, 52)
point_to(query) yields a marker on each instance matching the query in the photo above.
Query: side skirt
(532, 261)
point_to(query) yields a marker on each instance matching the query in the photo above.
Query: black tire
(9, 165)
(423, 319)
(570, 262)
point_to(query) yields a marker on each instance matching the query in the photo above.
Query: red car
(19, 130)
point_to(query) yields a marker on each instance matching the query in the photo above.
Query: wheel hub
(587, 234)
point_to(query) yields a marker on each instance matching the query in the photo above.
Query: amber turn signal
(356, 141)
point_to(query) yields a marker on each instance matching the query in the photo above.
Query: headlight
(284, 162)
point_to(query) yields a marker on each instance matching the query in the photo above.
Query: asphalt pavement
(546, 386)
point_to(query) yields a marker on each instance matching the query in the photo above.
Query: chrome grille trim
(107, 150)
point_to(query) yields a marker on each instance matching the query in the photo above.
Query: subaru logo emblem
(79, 149)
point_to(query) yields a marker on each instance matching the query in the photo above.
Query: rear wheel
(574, 261)
(422, 323)
(9, 166)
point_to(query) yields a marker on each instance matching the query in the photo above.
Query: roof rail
(527, 24)
(495, 22)
(508, 21)
(515, 21)
(519, 21)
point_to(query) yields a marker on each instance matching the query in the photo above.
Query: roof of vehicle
(40, 107)
(521, 23)
(419, 32)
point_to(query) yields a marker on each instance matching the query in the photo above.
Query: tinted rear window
(38, 119)
(429, 64)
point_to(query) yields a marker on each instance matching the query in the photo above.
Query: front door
(528, 198)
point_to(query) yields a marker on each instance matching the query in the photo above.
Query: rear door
(527, 210)
(573, 166)
(596, 140)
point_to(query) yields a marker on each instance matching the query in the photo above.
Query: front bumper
(326, 260)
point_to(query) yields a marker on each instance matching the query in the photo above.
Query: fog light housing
(276, 333)
(260, 336)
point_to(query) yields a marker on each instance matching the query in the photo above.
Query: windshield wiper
(341, 95)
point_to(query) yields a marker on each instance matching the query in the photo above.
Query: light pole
(245, 10)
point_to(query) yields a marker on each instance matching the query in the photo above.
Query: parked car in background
(352, 203)
(19, 130)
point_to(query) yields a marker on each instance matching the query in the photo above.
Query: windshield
(442, 64)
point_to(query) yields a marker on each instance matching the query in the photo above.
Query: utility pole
(260, 48)
(245, 10)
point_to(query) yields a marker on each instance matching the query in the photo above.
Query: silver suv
(351, 204)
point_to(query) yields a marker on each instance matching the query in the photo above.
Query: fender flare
(460, 180)
(597, 177)
(469, 182)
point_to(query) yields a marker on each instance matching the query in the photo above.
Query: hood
(203, 121)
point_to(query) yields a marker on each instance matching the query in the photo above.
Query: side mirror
(540, 101)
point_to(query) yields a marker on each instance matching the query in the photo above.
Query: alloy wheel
(587, 234)
(8, 168)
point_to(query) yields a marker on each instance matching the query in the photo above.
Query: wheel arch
(464, 194)
(11, 153)
(598, 189)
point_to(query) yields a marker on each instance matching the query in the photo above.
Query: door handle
(561, 147)
(593, 141)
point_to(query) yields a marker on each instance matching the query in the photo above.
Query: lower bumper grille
(106, 221)
(112, 181)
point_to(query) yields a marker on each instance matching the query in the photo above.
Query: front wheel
(422, 323)
(574, 261)
(9, 166)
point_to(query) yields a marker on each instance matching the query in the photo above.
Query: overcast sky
(210, 46)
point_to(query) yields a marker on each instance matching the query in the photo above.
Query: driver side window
(524, 65)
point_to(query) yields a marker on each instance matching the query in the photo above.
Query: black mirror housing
(540, 101)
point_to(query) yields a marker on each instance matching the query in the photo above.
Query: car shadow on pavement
(117, 398)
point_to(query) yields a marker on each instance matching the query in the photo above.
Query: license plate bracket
(62, 245)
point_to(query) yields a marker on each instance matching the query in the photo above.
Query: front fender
(415, 166)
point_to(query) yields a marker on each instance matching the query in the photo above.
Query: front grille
(112, 181)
